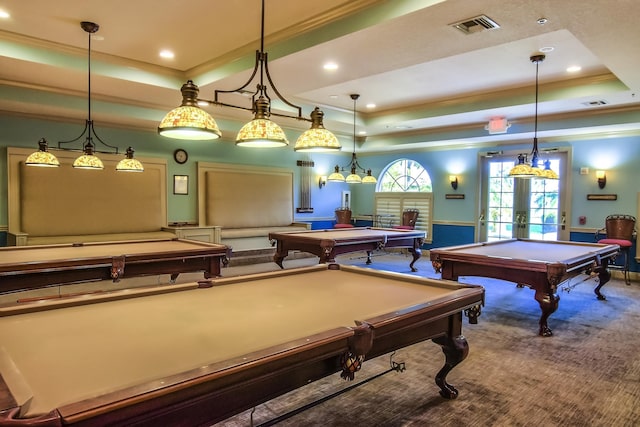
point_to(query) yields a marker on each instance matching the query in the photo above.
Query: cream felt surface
(90, 238)
(351, 233)
(531, 250)
(69, 354)
(34, 254)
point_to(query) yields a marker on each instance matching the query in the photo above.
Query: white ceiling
(433, 85)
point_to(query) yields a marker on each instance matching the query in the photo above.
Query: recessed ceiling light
(4, 14)
(333, 96)
(166, 54)
(574, 69)
(546, 49)
(371, 105)
(330, 66)
(362, 132)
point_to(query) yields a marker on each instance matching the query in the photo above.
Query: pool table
(31, 267)
(327, 244)
(198, 353)
(540, 265)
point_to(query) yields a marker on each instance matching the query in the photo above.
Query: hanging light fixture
(547, 172)
(522, 169)
(88, 160)
(42, 157)
(129, 164)
(259, 132)
(189, 121)
(317, 138)
(353, 166)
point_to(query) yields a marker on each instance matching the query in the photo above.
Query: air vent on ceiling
(594, 103)
(476, 24)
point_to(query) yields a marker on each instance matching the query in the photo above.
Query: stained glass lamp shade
(188, 121)
(129, 164)
(42, 157)
(88, 160)
(317, 138)
(261, 132)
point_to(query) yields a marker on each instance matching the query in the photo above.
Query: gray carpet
(587, 374)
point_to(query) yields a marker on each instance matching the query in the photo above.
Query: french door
(522, 208)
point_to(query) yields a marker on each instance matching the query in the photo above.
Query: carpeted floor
(587, 374)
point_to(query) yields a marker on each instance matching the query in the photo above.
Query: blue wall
(453, 219)
(451, 235)
(590, 238)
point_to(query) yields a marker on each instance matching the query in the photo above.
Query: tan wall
(67, 201)
(238, 197)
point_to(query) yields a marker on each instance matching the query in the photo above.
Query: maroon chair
(620, 230)
(343, 218)
(409, 218)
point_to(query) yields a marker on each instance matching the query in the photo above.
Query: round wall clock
(180, 156)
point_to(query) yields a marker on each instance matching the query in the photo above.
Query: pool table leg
(277, 258)
(455, 350)
(281, 252)
(548, 301)
(416, 253)
(117, 268)
(603, 277)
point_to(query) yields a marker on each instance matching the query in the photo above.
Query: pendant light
(129, 164)
(353, 166)
(522, 169)
(189, 121)
(89, 160)
(317, 138)
(42, 157)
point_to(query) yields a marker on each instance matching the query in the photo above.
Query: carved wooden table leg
(548, 304)
(455, 351)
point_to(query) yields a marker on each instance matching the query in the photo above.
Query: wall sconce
(453, 179)
(602, 178)
(322, 181)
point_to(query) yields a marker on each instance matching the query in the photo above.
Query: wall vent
(594, 103)
(476, 24)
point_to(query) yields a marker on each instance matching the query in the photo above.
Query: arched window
(404, 184)
(404, 175)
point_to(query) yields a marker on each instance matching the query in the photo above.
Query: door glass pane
(522, 208)
(500, 204)
(544, 207)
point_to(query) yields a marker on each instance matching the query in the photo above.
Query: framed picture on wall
(180, 184)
